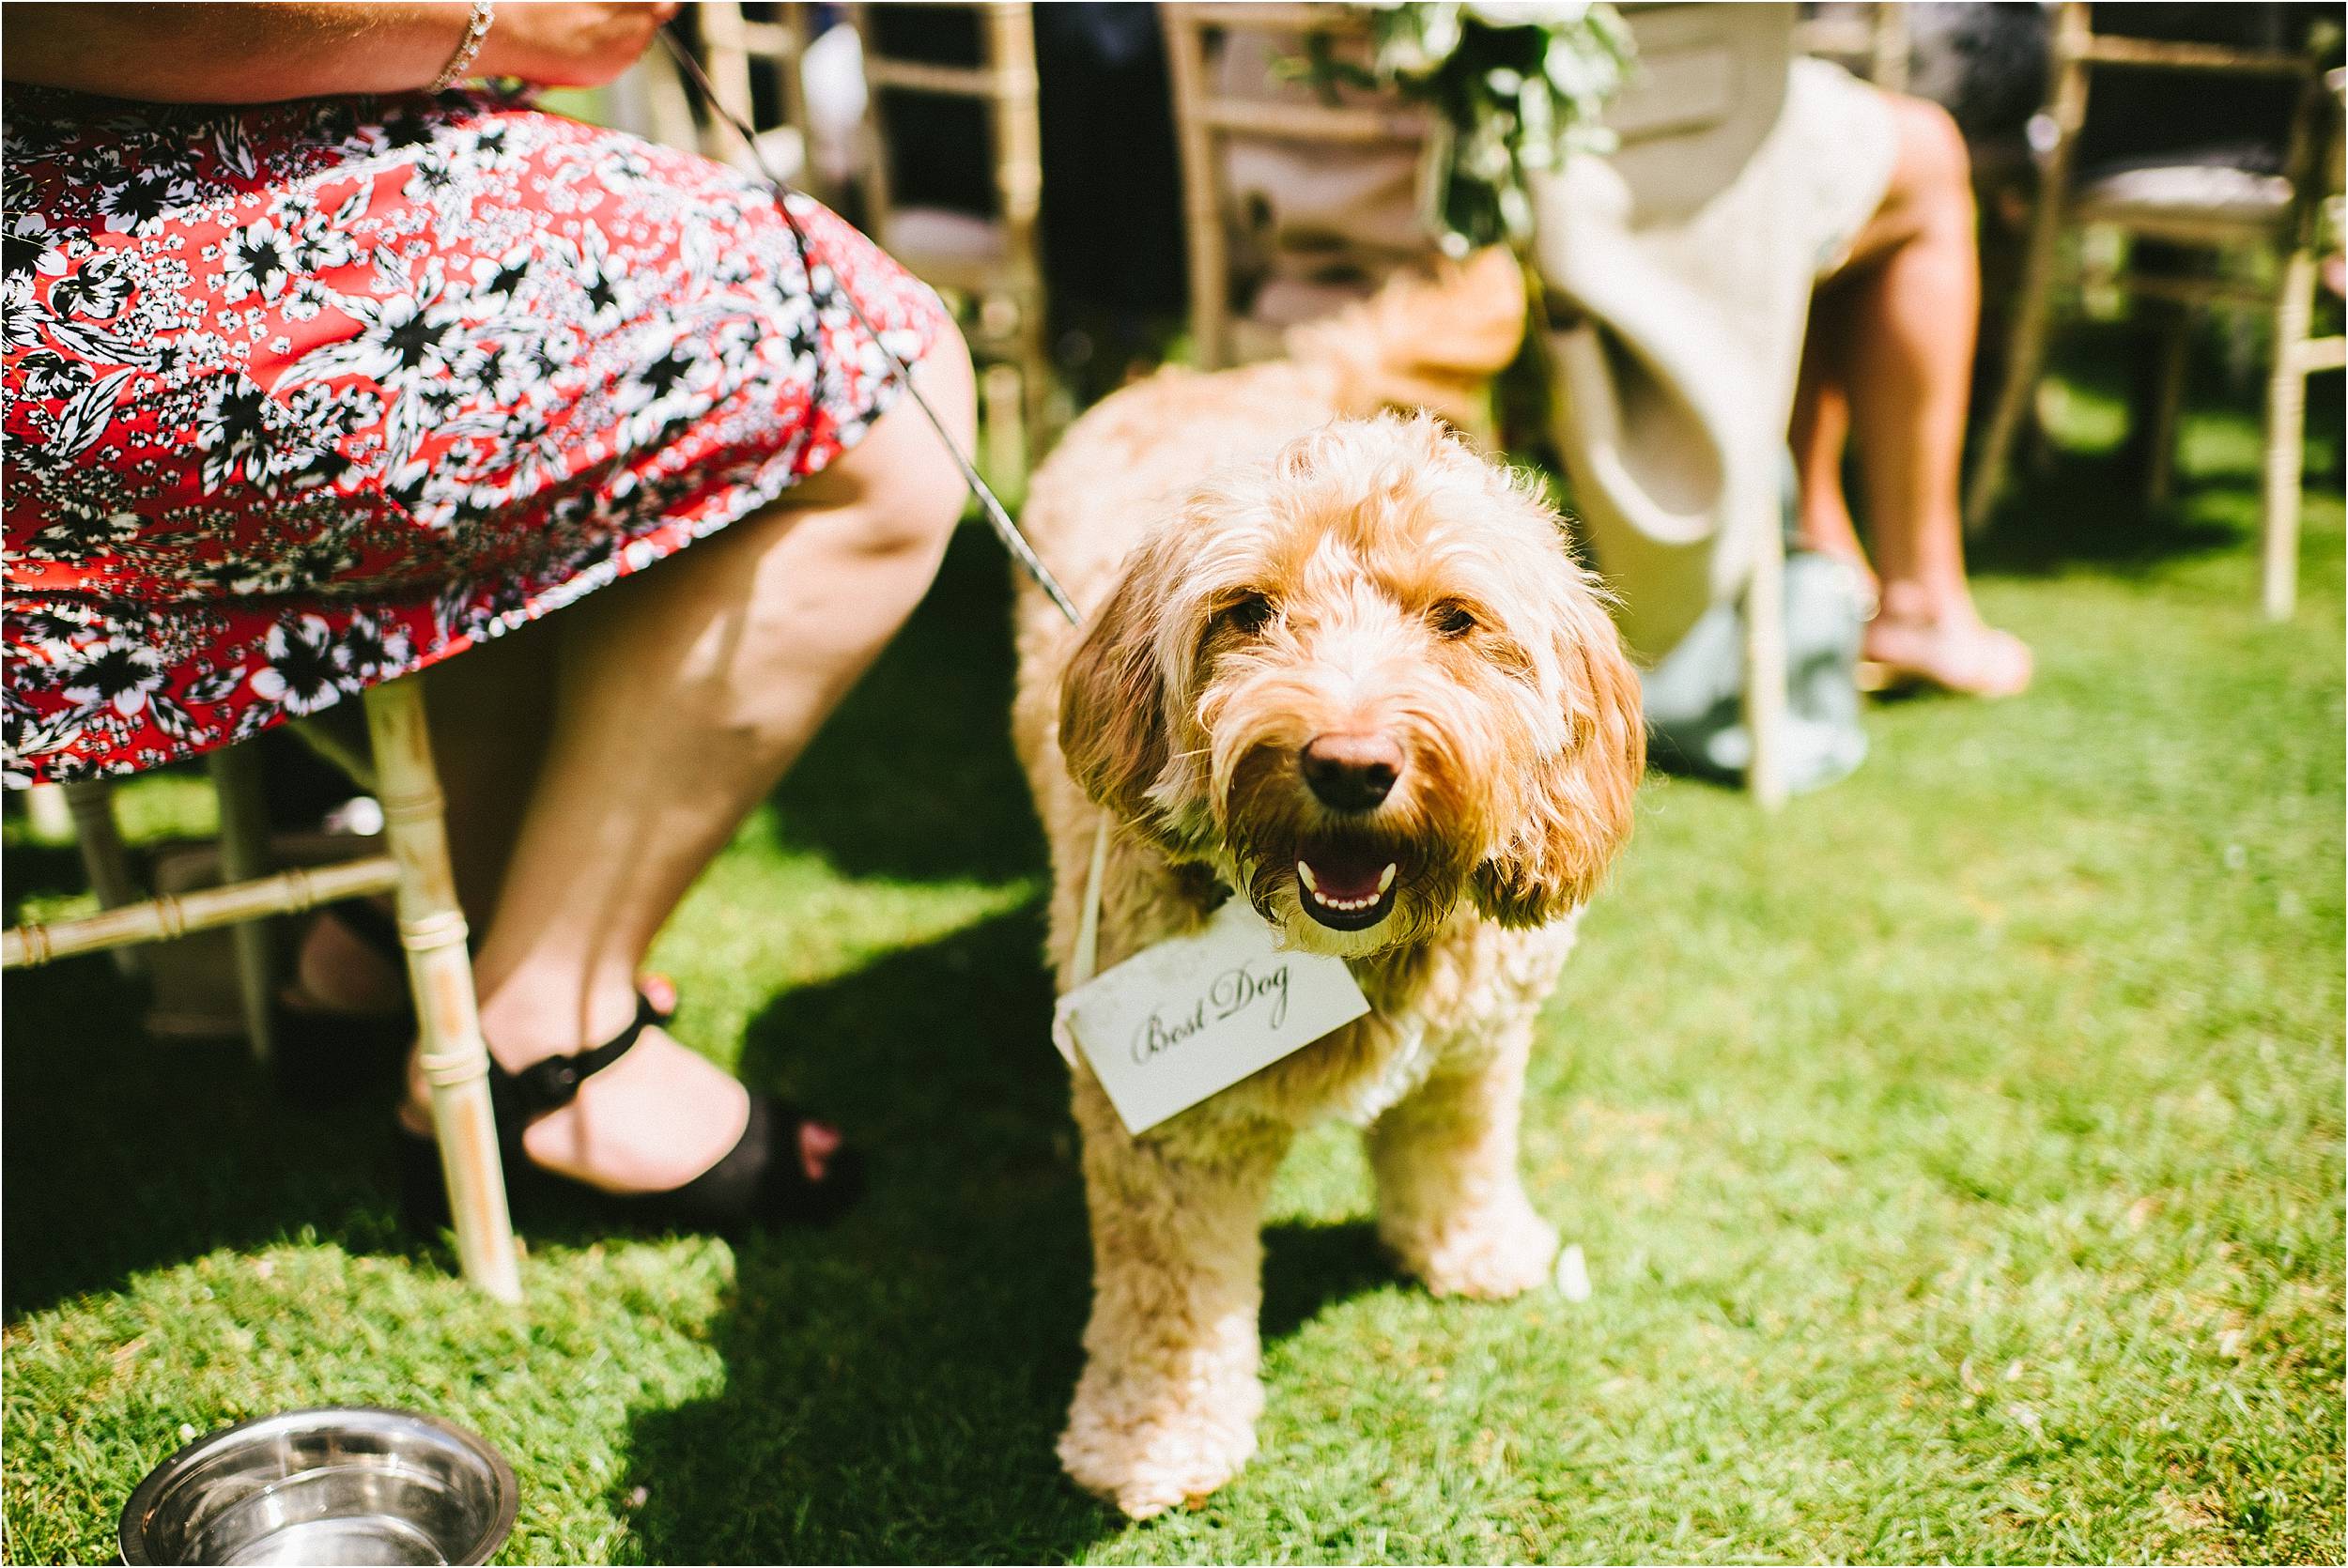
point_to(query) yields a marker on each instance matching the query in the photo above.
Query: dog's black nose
(1351, 773)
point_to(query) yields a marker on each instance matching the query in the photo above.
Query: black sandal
(323, 1058)
(760, 1180)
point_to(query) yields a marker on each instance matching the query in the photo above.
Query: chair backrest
(734, 47)
(1204, 117)
(1005, 83)
(2077, 49)
(732, 42)
(655, 100)
(1871, 39)
(2331, 181)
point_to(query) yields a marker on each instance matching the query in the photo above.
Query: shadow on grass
(914, 775)
(41, 868)
(894, 1386)
(125, 1155)
(2089, 510)
(2082, 503)
(893, 1383)
(1306, 1267)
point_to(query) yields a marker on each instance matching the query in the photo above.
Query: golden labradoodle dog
(1345, 667)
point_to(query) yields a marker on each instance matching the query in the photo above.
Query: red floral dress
(302, 397)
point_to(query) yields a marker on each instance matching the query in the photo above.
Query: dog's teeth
(1343, 906)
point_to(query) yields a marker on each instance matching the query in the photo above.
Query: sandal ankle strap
(552, 1082)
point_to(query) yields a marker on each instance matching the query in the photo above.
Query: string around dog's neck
(990, 506)
(1085, 961)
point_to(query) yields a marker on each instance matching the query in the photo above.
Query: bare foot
(1954, 654)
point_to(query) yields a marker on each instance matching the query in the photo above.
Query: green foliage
(1513, 87)
(1957, 1156)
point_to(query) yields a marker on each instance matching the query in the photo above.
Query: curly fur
(1400, 584)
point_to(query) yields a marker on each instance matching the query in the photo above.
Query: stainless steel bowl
(325, 1486)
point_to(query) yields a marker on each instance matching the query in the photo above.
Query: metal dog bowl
(350, 1485)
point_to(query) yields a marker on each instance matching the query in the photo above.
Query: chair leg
(1765, 670)
(454, 1063)
(47, 816)
(244, 855)
(1001, 394)
(2016, 392)
(1037, 385)
(1203, 215)
(104, 859)
(2034, 300)
(2286, 429)
(2160, 434)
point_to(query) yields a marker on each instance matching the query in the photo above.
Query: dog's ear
(1112, 713)
(1578, 813)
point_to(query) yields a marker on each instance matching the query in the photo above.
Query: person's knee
(917, 491)
(898, 491)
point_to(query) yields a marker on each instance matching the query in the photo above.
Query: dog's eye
(1451, 619)
(1247, 616)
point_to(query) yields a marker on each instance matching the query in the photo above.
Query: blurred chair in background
(827, 108)
(2254, 209)
(1680, 269)
(742, 56)
(1296, 205)
(1280, 231)
(737, 49)
(1868, 41)
(991, 260)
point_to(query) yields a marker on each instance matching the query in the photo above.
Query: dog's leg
(1167, 1408)
(1450, 1205)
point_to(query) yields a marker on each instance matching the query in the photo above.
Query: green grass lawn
(1959, 1157)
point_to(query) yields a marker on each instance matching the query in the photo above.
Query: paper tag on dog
(1192, 1016)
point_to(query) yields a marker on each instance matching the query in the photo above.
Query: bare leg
(1167, 1408)
(1451, 1206)
(490, 710)
(680, 696)
(1821, 431)
(1898, 338)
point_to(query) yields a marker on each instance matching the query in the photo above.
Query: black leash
(997, 515)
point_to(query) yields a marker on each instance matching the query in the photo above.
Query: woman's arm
(261, 54)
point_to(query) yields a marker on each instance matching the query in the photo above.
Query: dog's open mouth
(1346, 887)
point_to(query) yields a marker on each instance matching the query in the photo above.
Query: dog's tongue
(1346, 873)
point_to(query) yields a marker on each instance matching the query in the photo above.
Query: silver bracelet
(477, 33)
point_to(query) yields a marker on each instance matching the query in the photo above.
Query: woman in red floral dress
(306, 389)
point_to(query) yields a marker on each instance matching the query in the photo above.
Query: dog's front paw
(1489, 1254)
(1147, 1453)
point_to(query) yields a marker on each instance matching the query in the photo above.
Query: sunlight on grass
(1957, 1158)
(175, 805)
(767, 919)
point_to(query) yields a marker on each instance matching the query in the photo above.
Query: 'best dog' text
(1194, 1014)
(1234, 992)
